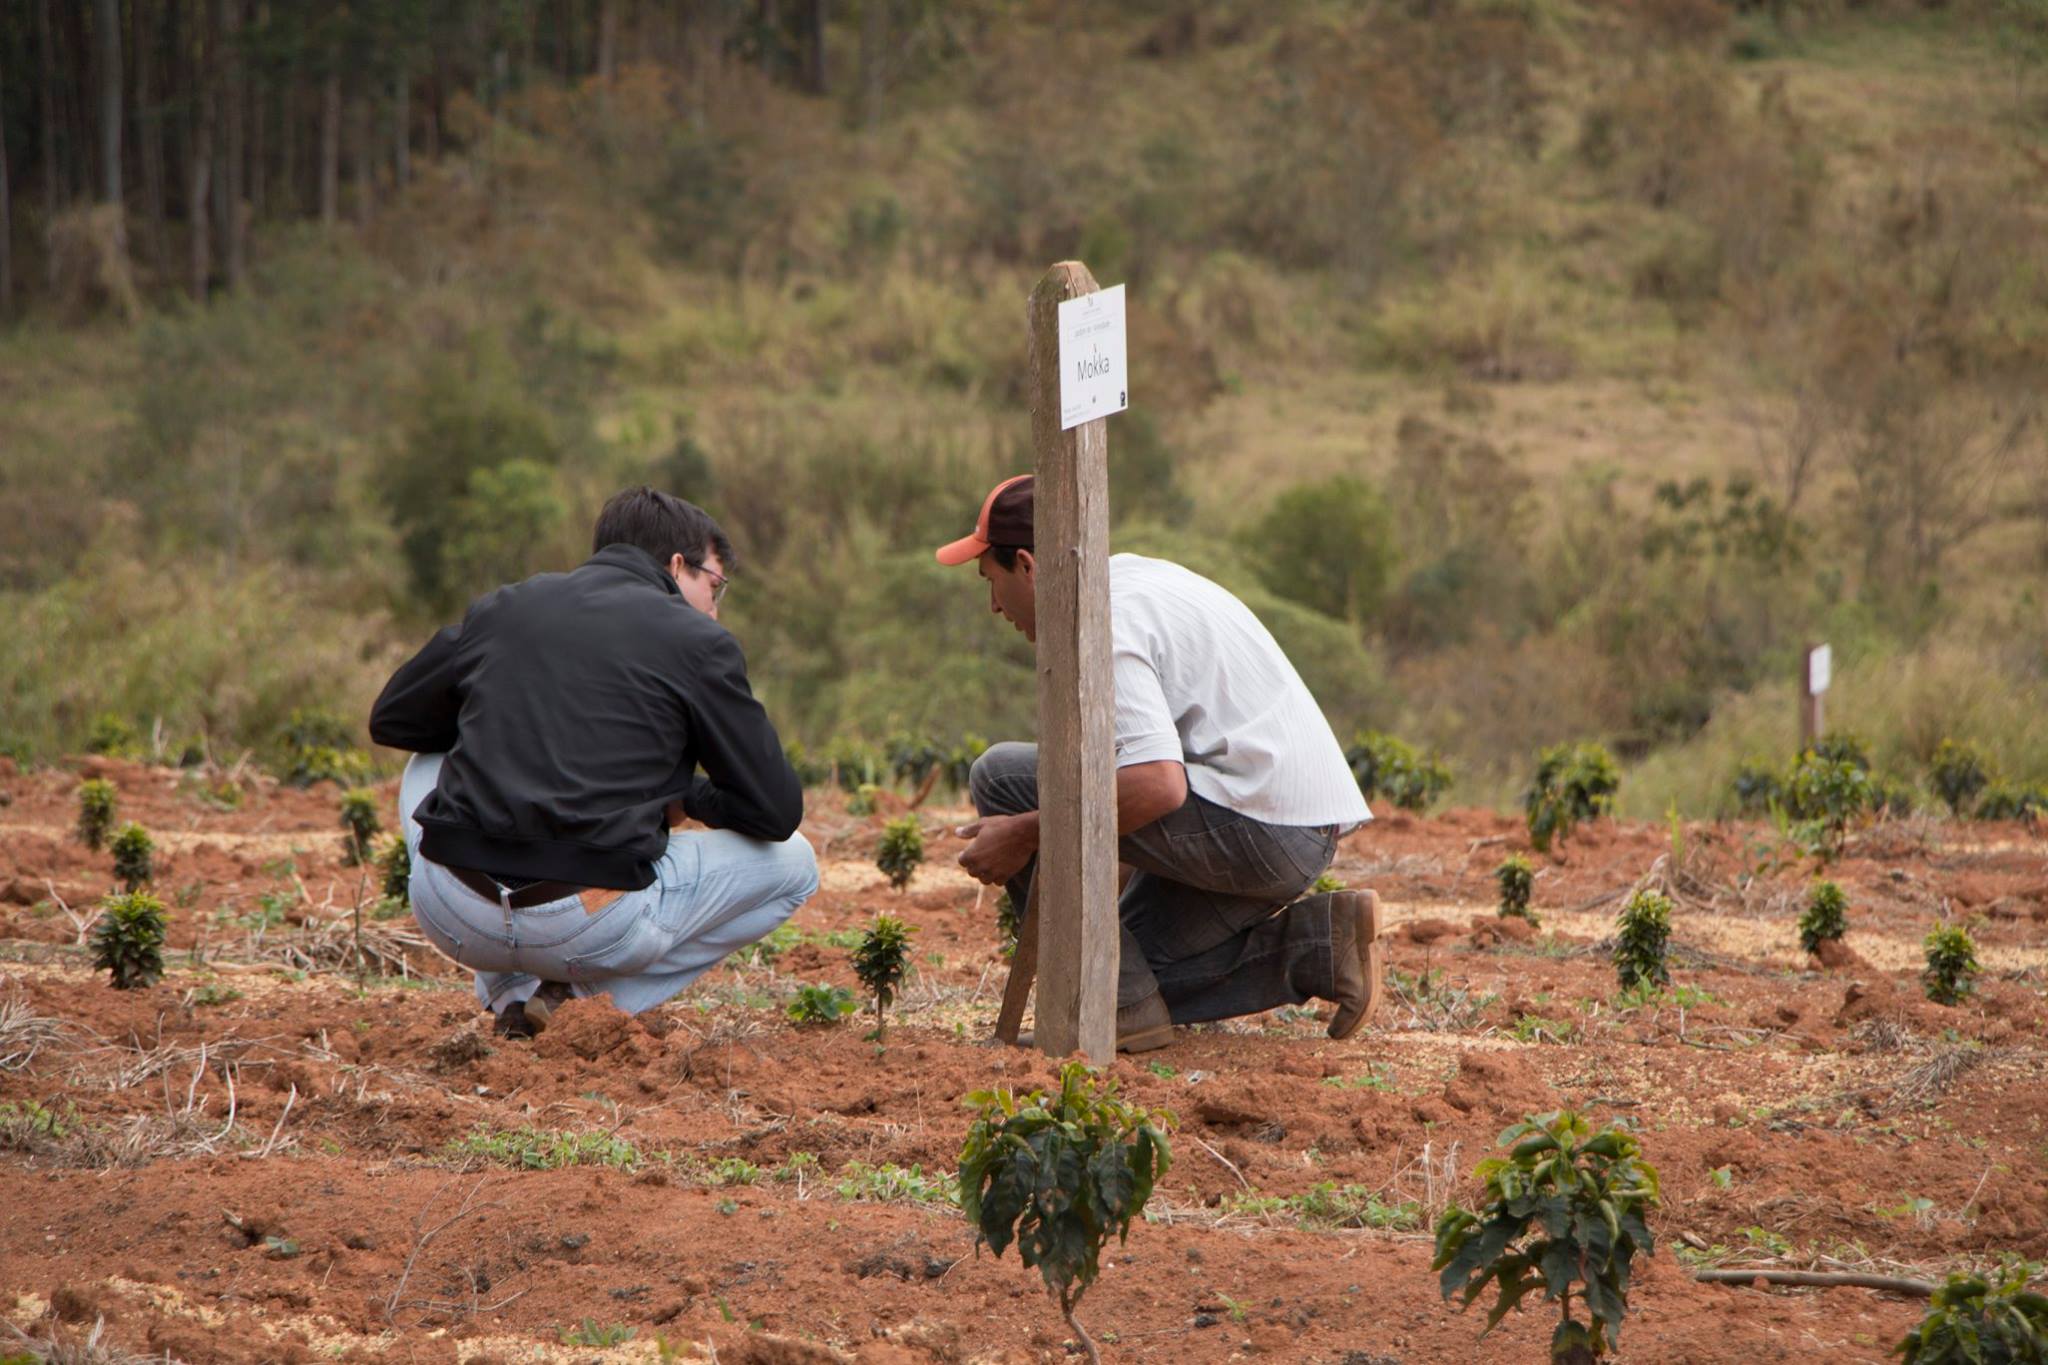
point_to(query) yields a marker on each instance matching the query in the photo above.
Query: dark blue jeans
(1199, 916)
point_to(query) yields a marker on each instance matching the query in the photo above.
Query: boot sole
(1372, 961)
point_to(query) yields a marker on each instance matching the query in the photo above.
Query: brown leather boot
(1361, 960)
(540, 1007)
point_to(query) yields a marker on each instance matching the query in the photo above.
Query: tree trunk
(259, 148)
(6, 217)
(330, 142)
(401, 127)
(53, 193)
(233, 94)
(874, 59)
(199, 161)
(362, 165)
(607, 40)
(149, 134)
(107, 28)
(814, 47)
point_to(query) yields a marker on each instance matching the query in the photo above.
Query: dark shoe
(540, 1007)
(1142, 1027)
(1361, 960)
(513, 1023)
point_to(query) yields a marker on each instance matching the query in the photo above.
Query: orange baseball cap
(1005, 520)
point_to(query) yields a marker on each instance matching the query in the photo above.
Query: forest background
(1539, 370)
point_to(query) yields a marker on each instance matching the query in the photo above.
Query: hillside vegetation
(1537, 371)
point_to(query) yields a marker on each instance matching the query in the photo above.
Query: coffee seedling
(2007, 801)
(1951, 964)
(1517, 882)
(1826, 918)
(95, 812)
(359, 825)
(901, 851)
(1975, 1318)
(1573, 782)
(134, 860)
(1642, 930)
(395, 864)
(1828, 793)
(1958, 772)
(1059, 1175)
(880, 961)
(1562, 1208)
(911, 761)
(822, 1005)
(129, 940)
(1388, 767)
(111, 735)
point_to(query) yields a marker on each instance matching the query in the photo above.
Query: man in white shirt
(1231, 794)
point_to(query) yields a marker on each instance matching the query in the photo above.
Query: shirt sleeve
(1145, 732)
(418, 707)
(747, 785)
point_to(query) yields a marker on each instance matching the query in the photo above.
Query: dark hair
(663, 525)
(1006, 556)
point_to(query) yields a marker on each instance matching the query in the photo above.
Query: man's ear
(1026, 564)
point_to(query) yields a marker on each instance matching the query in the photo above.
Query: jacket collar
(637, 562)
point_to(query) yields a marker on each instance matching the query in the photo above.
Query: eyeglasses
(718, 588)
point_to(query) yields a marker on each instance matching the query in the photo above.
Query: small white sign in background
(1820, 666)
(1094, 381)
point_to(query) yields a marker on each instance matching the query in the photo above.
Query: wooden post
(1077, 871)
(1815, 667)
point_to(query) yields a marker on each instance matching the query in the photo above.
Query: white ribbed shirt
(1199, 679)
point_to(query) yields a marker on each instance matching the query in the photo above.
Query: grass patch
(542, 1149)
(1330, 1205)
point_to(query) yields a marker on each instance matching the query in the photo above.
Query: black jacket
(573, 708)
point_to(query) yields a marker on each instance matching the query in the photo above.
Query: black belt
(525, 898)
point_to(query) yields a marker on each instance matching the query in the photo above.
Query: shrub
(318, 746)
(1643, 929)
(1981, 1317)
(95, 812)
(359, 823)
(1892, 799)
(2009, 801)
(1951, 963)
(134, 860)
(1573, 782)
(1844, 746)
(810, 772)
(960, 761)
(1826, 918)
(821, 1005)
(1758, 787)
(1328, 546)
(1517, 882)
(911, 761)
(855, 765)
(129, 940)
(395, 863)
(1958, 772)
(111, 735)
(1058, 1176)
(1386, 766)
(880, 961)
(1562, 1208)
(901, 851)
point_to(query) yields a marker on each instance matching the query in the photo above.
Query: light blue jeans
(714, 892)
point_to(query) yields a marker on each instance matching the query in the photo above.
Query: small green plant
(543, 1149)
(1059, 1175)
(111, 735)
(2009, 801)
(1326, 883)
(1327, 1204)
(212, 993)
(1517, 883)
(912, 761)
(822, 1005)
(1826, 918)
(359, 825)
(1564, 1207)
(1642, 930)
(889, 1183)
(880, 962)
(394, 866)
(901, 851)
(1006, 924)
(1951, 964)
(590, 1332)
(1958, 771)
(1829, 793)
(129, 940)
(1388, 767)
(134, 856)
(1974, 1319)
(1757, 787)
(1574, 782)
(95, 812)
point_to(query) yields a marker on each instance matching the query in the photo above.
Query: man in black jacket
(557, 735)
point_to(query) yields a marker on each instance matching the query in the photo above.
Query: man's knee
(798, 863)
(1002, 777)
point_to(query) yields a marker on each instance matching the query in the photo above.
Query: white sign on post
(1820, 663)
(1094, 381)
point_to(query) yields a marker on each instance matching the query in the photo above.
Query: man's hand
(1002, 845)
